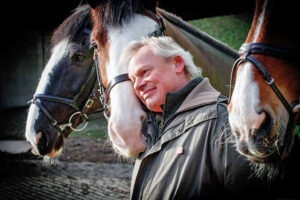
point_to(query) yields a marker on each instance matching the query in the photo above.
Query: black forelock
(115, 12)
(73, 25)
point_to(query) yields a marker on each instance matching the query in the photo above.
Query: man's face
(152, 77)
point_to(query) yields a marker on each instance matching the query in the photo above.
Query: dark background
(46, 15)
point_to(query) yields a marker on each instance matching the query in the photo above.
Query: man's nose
(139, 84)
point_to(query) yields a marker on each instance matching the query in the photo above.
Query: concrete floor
(33, 179)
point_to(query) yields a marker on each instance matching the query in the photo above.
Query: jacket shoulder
(201, 113)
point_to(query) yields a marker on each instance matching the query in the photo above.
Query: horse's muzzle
(47, 146)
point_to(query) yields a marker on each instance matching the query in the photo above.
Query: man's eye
(145, 71)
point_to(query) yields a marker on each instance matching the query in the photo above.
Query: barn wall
(21, 65)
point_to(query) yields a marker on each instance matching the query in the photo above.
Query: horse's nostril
(259, 133)
(267, 123)
(42, 142)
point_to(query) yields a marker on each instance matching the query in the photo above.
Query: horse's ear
(92, 3)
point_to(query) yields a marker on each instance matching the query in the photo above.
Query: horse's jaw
(125, 122)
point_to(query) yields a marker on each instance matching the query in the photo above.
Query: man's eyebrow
(142, 68)
(138, 71)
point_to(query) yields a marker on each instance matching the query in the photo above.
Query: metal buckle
(84, 126)
(89, 103)
(270, 81)
(54, 122)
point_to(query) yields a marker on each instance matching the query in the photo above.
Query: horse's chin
(266, 155)
(263, 158)
(55, 153)
(130, 151)
(264, 162)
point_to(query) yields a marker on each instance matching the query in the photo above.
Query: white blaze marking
(125, 121)
(58, 52)
(244, 99)
(259, 23)
(140, 26)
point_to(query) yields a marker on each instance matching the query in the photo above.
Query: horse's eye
(78, 58)
(95, 46)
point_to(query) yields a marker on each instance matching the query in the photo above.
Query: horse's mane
(116, 12)
(73, 25)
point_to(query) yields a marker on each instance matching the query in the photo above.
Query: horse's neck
(275, 23)
(183, 41)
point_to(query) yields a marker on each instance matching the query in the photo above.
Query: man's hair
(164, 47)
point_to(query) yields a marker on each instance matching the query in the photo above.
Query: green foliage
(230, 29)
(95, 129)
(297, 131)
(91, 133)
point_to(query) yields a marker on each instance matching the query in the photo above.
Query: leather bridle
(78, 103)
(104, 92)
(246, 52)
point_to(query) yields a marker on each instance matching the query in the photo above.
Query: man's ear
(179, 64)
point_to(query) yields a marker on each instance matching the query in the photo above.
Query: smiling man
(188, 154)
(153, 77)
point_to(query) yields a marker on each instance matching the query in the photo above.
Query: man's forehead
(143, 56)
(136, 67)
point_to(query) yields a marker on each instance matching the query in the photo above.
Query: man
(188, 152)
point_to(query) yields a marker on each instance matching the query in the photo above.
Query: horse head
(116, 23)
(264, 104)
(63, 97)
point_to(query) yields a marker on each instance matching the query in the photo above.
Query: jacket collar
(174, 99)
(187, 98)
(208, 95)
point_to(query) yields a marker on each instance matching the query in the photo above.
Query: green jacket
(188, 155)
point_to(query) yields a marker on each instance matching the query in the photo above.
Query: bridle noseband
(246, 52)
(76, 103)
(104, 92)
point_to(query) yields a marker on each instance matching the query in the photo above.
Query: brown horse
(264, 105)
(116, 23)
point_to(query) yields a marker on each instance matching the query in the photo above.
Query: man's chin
(153, 107)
